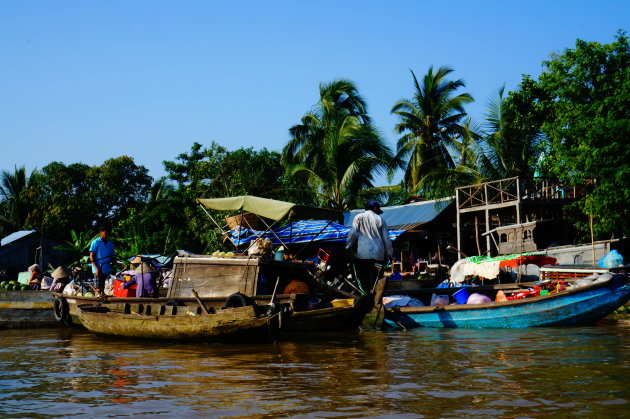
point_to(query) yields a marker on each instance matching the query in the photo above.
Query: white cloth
(370, 232)
(462, 268)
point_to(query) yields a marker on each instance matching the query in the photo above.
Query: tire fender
(61, 309)
(238, 300)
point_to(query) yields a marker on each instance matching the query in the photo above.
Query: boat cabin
(213, 276)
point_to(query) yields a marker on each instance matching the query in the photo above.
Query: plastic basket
(461, 296)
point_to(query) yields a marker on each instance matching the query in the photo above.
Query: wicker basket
(249, 221)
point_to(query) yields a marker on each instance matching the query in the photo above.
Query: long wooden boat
(209, 319)
(249, 323)
(573, 307)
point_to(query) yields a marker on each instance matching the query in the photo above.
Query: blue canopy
(300, 232)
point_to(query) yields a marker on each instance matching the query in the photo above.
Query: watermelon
(23, 287)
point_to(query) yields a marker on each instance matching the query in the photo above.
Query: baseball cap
(374, 206)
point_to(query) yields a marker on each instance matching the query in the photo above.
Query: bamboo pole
(477, 235)
(592, 239)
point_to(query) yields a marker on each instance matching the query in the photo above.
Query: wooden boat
(205, 285)
(573, 307)
(249, 323)
(205, 320)
(26, 309)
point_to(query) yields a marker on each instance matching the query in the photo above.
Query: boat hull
(233, 324)
(26, 309)
(582, 306)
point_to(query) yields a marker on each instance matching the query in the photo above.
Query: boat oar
(275, 288)
(205, 310)
(271, 307)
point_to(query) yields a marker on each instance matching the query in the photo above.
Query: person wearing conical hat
(135, 262)
(61, 278)
(144, 276)
(36, 276)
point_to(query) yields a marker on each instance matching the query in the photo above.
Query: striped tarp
(300, 232)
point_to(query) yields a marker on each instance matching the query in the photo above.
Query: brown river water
(563, 372)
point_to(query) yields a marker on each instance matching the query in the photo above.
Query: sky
(85, 81)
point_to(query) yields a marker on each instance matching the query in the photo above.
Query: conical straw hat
(144, 268)
(60, 272)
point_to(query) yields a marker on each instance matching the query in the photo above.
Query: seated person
(36, 276)
(145, 275)
(61, 278)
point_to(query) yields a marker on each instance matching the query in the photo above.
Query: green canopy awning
(270, 208)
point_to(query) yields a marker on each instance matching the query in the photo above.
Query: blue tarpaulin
(300, 232)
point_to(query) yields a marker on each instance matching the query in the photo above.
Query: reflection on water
(420, 373)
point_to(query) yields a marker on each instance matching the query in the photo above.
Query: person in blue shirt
(102, 257)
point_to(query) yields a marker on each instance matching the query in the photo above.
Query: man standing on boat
(374, 246)
(102, 257)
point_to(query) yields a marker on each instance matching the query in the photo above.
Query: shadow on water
(423, 372)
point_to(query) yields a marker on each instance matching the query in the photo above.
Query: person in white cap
(369, 232)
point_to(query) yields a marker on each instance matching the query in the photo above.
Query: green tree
(442, 180)
(511, 142)
(65, 200)
(16, 199)
(215, 172)
(335, 149)
(79, 243)
(118, 186)
(429, 124)
(585, 101)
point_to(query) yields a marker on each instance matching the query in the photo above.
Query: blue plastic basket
(461, 296)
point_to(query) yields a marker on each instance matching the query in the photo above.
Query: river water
(420, 373)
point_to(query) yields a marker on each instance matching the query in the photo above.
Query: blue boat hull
(581, 306)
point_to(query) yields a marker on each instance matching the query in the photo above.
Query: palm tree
(14, 198)
(429, 124)
(442, 180)
(507, 149)
(336, 149)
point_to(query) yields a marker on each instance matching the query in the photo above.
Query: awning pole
(313, 239)
(274, 233)
(213, 220)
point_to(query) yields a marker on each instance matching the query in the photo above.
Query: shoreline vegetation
(570, 124)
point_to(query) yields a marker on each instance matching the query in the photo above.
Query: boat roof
(306, 231)
(408, 216)
(269, 208)
(15, 236)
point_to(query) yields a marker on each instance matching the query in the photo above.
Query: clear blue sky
(83, 81)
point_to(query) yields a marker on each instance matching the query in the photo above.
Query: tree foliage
(16, 199)
(429, 124)
(335, 149)
(215, 172)
(511, 141)
(584, 98)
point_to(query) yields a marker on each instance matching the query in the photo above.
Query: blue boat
(575, 306)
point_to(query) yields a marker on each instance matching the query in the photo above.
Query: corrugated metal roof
(15, 236)
(409, 215)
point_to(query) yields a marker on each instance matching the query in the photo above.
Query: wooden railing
(512, 189)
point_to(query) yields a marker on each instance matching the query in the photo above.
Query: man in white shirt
(374, 246)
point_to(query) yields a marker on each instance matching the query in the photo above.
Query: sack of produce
(477, 298)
